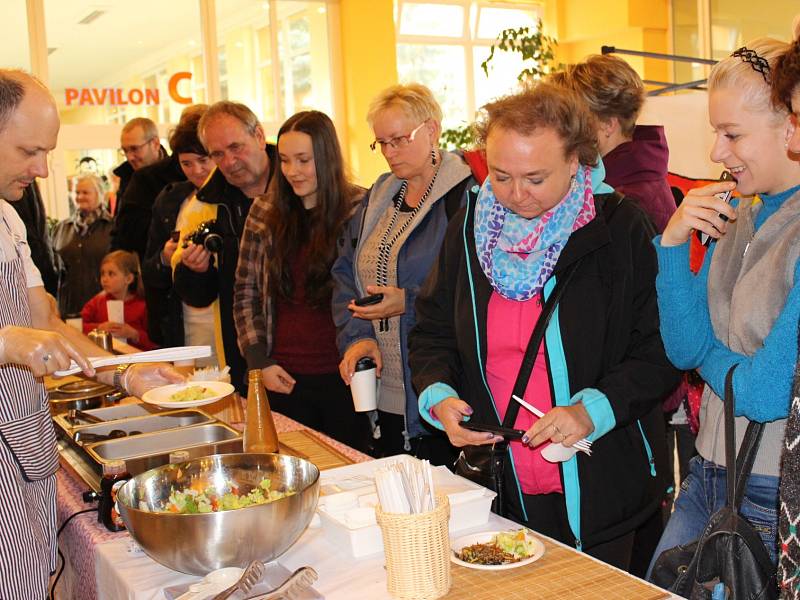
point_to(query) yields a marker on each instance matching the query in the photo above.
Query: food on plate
(504, 548)
(195, 500)
(191, 394)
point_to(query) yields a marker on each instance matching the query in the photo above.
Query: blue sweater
(762, 382)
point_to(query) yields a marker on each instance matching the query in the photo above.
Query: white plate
(485, 536)
(161, 395)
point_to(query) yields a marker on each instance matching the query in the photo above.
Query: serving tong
(161, 355)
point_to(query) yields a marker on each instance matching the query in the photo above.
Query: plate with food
(497, 550)
(188, 394)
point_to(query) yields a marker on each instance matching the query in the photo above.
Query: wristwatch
(119, 375)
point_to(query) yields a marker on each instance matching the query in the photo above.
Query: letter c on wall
(173, 87)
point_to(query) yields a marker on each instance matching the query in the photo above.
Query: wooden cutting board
(305, 444)
(560, 573)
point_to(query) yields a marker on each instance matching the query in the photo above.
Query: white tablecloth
(123, 576)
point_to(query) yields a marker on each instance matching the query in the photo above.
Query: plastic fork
(583, 445)
(251, 576)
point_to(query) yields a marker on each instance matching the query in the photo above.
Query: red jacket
(95, 312)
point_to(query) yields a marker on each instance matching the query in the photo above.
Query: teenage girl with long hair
(283, 285)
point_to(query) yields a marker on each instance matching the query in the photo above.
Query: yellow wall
(369, 65)
(582, 27)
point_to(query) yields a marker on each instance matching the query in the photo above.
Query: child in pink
(121, 280)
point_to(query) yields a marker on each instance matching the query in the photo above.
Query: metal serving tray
(148, 424)
(125, 411)
(149, 450)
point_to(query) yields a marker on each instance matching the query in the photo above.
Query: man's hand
(451, 412)
(44, 352)
(196, 258)
(145, 376)
(276, 379)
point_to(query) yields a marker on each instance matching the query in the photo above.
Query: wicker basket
(417, 549)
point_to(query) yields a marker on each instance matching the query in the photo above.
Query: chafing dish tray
(134, 425)
(148, 450)
(112, 413)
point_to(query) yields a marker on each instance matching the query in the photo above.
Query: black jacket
(132, 220)
(31, 210)
(164, 310)
(609, 328)
(201, 289)
(124, 171)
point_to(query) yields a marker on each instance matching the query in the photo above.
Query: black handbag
(485, 465)
(729, 551)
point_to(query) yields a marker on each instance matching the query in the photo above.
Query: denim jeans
(703, 493)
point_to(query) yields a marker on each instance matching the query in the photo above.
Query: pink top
(509, 327)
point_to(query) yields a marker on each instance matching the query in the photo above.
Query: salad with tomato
(196, 501)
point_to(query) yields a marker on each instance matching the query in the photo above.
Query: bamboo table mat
(560, 573)
(306, 445)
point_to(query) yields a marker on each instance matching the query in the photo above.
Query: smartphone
(705, 239)
(369, 300)
(506, 432)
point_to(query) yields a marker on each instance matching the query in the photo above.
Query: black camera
(206, 235)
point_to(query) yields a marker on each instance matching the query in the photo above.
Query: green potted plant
(538, 54)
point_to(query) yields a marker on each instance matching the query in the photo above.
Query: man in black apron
(34, 342)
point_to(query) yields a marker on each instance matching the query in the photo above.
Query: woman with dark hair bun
(170, 322)
(282, 295)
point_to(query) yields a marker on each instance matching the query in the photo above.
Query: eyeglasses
(401, 141)
(134, 148)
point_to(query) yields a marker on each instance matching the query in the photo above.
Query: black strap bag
(485, 464)
(729, 552)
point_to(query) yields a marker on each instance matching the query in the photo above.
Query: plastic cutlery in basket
(161, 355)
(552, 452)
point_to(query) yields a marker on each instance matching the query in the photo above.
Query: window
(251, 34)
(442, 45)
(715, 28)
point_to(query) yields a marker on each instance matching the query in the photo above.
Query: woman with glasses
(80, 243)
(386, 253)
(743, 307)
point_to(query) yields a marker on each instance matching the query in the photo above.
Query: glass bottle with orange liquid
(259, 428)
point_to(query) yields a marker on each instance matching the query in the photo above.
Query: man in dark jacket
(139, 143)
(136, 205)
(236, 143)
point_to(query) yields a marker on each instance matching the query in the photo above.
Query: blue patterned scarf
(518, 255)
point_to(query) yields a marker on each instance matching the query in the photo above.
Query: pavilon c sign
(124, 97)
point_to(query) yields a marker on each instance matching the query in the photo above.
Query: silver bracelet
(119, 376)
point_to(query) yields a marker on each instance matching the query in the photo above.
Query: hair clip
(759, 63)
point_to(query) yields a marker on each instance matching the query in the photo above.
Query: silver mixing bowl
(199, 543)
